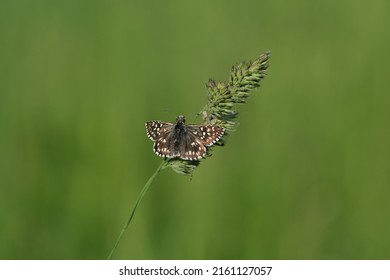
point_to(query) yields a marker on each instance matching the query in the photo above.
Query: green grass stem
(139, 198)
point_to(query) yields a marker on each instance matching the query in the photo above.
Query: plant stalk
(139, 198)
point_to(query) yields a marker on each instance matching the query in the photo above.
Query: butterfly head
(180, 120)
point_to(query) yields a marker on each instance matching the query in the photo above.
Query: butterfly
(178, 140)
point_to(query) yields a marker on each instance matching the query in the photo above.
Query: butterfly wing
(191, 147)
(207, 134)
(156, 129)
(161, 134)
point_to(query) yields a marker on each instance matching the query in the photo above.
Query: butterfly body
(178, 140)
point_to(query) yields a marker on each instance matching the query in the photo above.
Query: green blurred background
(305, 176)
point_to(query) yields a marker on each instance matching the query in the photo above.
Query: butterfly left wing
(155, 129)
(162, 147)
(160, 133)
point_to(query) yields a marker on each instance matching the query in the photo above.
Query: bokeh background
(305, 176)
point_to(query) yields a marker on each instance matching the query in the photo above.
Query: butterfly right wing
(191, 148)
(208, 134)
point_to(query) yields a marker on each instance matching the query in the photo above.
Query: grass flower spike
(220, 110)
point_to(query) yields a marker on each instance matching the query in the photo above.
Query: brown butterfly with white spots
(178, 140)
